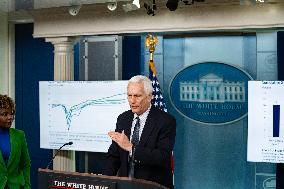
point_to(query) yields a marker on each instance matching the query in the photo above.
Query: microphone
(59, 149)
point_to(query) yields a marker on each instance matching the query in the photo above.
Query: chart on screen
(80, 111)
(265, 121)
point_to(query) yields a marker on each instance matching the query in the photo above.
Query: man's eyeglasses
(6, 114)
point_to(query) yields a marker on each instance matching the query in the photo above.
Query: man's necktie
(135, 134)
(135, 142)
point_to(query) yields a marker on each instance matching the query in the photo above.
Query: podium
(48, 179)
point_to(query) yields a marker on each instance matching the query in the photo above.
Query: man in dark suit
(143, 139)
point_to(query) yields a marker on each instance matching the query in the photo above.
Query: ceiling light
(150, 7)
(131, 6)
(74, 9)
(172, 5)
(112, 5)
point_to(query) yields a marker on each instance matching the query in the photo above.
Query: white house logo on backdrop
(211, 88)
(210, 92)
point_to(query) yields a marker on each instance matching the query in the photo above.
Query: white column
(4, 61)
(63, 58)
(63, 71)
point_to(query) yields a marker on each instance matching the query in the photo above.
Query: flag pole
(157, 99)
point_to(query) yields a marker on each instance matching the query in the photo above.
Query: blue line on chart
(76, 109)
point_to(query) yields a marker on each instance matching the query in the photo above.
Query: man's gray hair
(146, 82)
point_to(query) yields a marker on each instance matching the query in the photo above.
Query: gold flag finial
(151, 42)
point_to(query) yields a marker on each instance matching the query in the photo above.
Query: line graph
(76, 109)
(82, 112)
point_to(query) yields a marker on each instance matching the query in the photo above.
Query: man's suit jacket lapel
(128, 125)
(148, 127)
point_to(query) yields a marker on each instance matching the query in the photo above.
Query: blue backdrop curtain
(33, 63)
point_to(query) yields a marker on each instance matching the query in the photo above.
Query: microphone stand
(68, 143)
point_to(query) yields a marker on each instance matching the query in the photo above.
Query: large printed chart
(265, 121)
(80, 111)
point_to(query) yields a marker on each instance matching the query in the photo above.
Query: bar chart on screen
(80, 111)
(265, 121)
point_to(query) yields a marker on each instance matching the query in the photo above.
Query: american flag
(157, 96)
